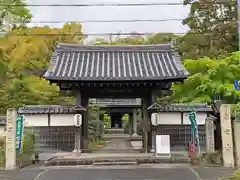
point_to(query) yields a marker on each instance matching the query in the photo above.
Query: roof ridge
(120, 45)
(79, 47)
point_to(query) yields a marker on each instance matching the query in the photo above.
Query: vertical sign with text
(19, 132)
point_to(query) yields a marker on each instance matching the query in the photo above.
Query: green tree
(24, 57)
(210, 79)
(212, 31)
(13, 13)
(158, 38)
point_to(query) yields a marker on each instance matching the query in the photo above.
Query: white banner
(162, 144)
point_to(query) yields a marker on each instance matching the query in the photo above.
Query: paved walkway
(118, 144)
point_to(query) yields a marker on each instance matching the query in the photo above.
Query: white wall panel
(61, 120)
(200, 117)
(36, 120)
(169, 118)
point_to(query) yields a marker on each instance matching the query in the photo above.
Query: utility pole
(238, 22)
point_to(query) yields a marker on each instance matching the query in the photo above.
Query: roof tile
(142, 62)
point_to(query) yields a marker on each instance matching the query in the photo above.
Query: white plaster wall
(36, 120)
(61, 120)
(200, 117)
(168, 118)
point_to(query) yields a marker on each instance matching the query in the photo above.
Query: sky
(64, 14)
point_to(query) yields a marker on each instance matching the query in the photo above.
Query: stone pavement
(142, 172)
(213, 173)
(116, 144)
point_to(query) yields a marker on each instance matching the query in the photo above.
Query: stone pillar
(209, 129)
(134, 119)
(10, 141)
(226, 133)
(236, 131)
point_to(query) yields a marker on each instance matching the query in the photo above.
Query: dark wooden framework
(141, 71)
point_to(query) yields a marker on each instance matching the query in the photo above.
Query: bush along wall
(25, 155)
(28, 144)
(2, 152)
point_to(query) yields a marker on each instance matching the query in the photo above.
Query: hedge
(25, 156)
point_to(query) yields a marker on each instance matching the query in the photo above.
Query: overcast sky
(113, 13)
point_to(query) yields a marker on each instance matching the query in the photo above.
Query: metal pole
(197, 139)
(238, 22)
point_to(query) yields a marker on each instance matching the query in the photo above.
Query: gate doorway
(123, 72)
(121, 120)
(116, 120)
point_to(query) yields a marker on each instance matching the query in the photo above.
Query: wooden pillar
(77, 129)
(134, 122)
(82, 132)
(101, 118)
(130, 124)
(152, 133)
(146, 124)
(84, 127)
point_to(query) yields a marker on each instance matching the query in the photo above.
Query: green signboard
(19, 132)
(194, 128)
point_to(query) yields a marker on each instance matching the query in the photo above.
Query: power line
(105, 21)
(114, 34)
(109, 4)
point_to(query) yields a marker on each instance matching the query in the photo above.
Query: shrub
(212, 158)
(27, 149)
(235, 176)
(2, 152)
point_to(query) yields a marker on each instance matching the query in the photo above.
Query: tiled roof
(180, 107)
(138, 62)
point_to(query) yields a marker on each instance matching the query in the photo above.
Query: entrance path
(140, 172)
(118, 144)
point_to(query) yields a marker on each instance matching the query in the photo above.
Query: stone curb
(72, 162)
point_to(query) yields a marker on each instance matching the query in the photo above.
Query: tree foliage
(213, 30)
(14, 15)
(24, 57)
(158, 38)
(210, 79)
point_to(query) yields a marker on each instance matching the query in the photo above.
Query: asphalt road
(145, 172)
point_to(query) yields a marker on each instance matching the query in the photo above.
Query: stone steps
(114, 131)
(115, 162)
(106, 161)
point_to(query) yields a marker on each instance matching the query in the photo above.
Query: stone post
(10, 152)
(236, 130)
(134, 122)
(209, 129)
(226, 133)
